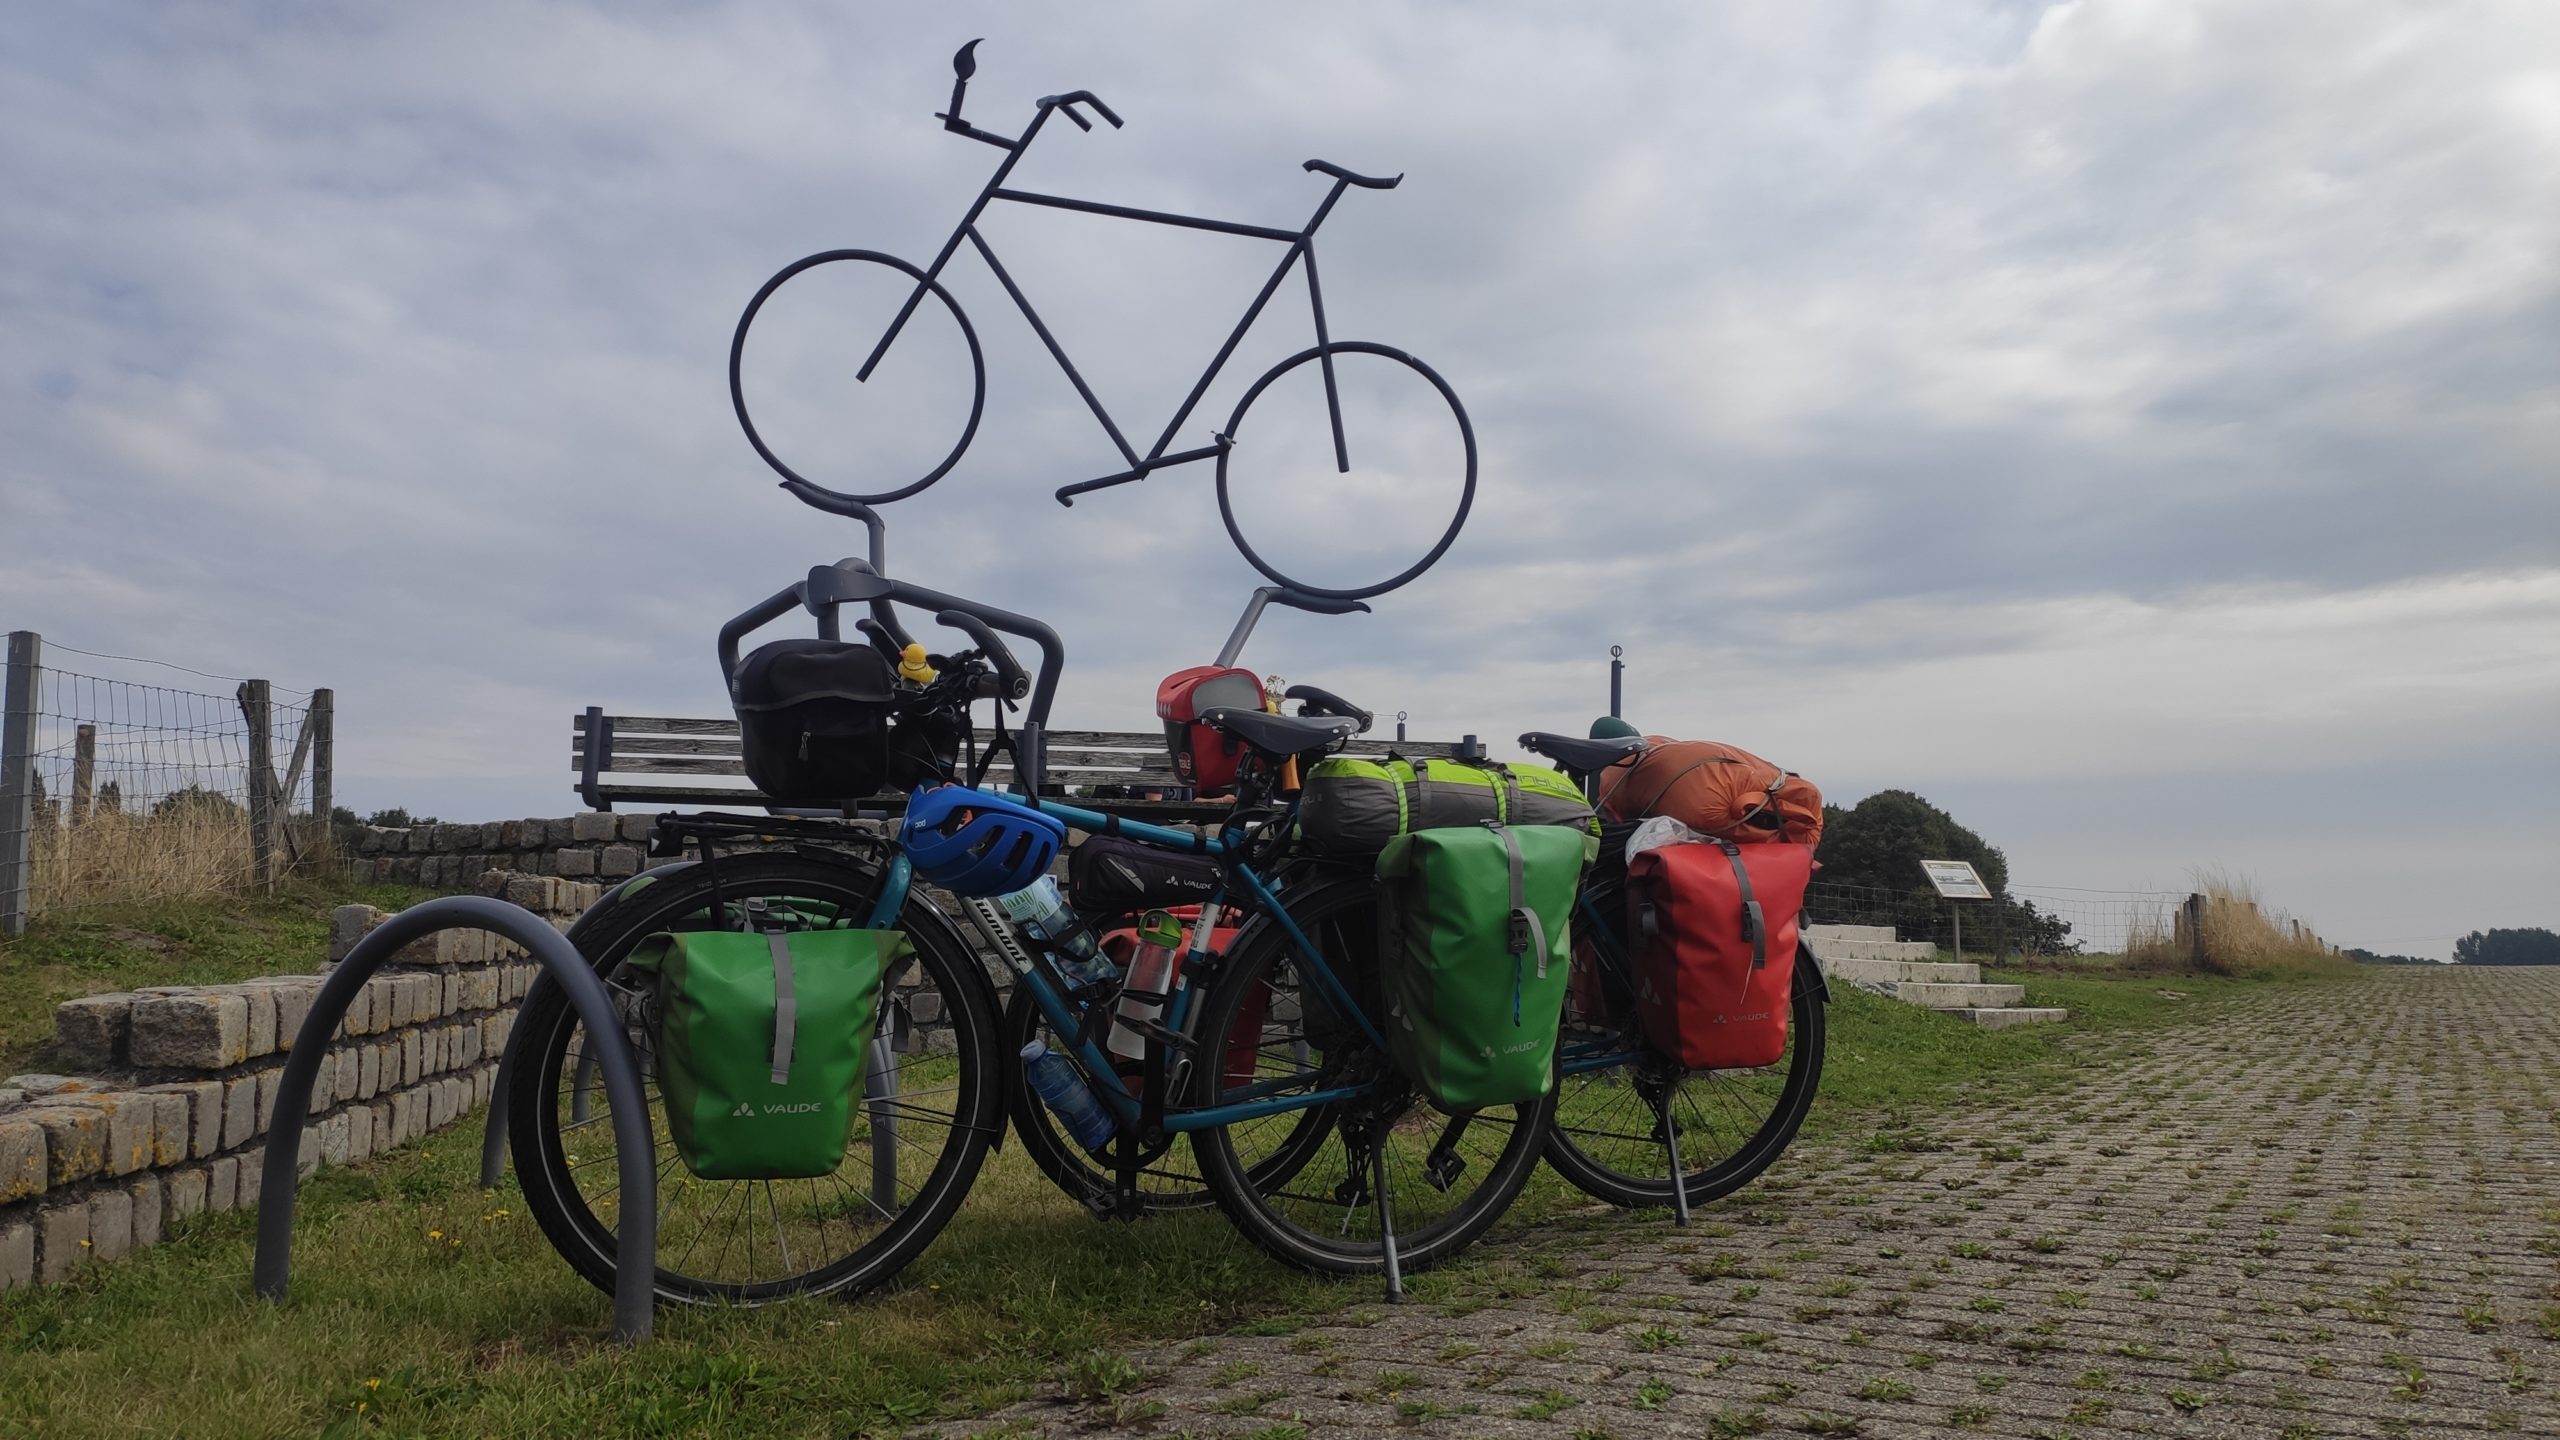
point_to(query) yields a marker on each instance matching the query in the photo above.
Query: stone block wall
(592, 846)
(176, 1091)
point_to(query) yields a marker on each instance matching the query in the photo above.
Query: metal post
(635, 1247)
(1399, 725)
(1617, 682)
(255, 710)
(18, 782)
(1956, 908)
(84, 770)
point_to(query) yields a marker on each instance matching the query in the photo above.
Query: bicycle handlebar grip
(1015, 682)
(1325, 702)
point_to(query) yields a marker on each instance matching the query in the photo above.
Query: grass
(108, 947)
(2241, 937)
(391, 1334)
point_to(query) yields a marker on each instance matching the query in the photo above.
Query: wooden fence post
(2193, 916)
(255, 708)
(84, 769)
(324, 790)
(17, 781)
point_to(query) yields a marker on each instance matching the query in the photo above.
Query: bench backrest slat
(681, 746)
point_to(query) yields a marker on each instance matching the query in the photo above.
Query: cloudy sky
(2134, 426)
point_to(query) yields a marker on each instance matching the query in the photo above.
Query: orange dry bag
(1713, 789)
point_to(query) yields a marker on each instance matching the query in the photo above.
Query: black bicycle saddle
(1577, 754)
(1281, 736)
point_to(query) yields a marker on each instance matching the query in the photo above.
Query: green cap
(1610, 727)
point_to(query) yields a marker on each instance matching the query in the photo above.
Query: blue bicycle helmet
(976, 845)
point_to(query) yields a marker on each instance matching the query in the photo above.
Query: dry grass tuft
(182, 852)
(2241, 935)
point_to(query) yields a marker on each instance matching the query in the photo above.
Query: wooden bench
(603, 747)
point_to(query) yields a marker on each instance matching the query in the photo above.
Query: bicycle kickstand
(1387, 1225)
(1679, 1178)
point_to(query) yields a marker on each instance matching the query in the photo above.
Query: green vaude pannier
(1476, 941)
(761, 1041)
(1351, 807)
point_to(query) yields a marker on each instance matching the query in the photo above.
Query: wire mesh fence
(2026, 922)
(116, 789)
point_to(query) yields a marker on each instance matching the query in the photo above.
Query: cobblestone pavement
(2333, 1211)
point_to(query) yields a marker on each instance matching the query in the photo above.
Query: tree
(2534, 946)
(195, 801)
(397, 818)
(1877, 845)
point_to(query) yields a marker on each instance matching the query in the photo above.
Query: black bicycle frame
(1300, 247)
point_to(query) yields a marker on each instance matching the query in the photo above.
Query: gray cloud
(1813, 352)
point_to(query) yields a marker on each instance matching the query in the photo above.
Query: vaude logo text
(747, 1110)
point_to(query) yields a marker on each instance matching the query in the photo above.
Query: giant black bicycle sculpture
(1160, 456)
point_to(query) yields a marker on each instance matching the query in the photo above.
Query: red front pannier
(1714, 928)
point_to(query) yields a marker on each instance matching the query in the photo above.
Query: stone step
(1849, 932)
(1874, 973)
(1937, 995)
(1835, 948)
(2004, 1016)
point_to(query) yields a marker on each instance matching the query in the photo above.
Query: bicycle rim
(1232, 438)
(1730, 1124)
(1302, 1184)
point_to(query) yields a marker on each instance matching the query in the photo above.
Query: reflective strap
(786, 1006)
(1527, 930)
(1755, 925)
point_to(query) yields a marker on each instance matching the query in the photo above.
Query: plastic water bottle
(1060, 1088)
(1041, 908)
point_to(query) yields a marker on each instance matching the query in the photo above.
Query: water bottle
(1063, 1091)
(1041, 908)
(1151, 976)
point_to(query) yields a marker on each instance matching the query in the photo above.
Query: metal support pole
(1617, 682)
(1956, 909)
(635, 1248)
(18, 782)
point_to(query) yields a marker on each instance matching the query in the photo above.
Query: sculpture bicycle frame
(1160, 455)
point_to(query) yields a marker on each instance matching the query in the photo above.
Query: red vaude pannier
(1203, 758)
(1714, 930)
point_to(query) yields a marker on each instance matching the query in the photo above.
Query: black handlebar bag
(815, 720)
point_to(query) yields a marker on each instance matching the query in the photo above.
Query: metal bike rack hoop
(636, 1248)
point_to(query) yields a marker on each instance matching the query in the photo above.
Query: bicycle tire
(1235, 425)
(1599, 1137)
(737, 386)
(547, 1158)
(1337, 1233)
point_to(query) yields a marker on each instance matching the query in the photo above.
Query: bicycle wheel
(1397, 441)
(920, 1132)
(1301, 1183)
(865, 306)
(1731, 1124)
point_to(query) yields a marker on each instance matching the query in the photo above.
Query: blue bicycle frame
(1089, 1056)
